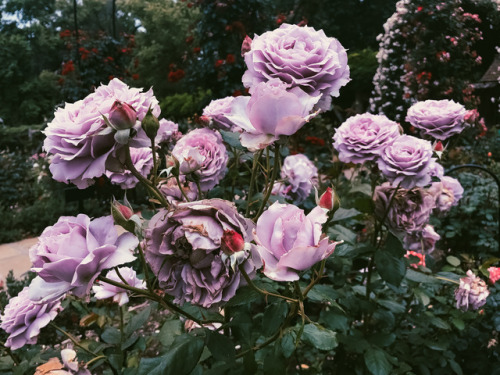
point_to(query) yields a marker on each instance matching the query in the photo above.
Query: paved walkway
(15, 256)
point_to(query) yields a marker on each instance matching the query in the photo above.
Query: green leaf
(362, 188)
(454, 261)
(390, 268)
(455, 367)
(319, 337)
(137, 321)
(376, 361)
(420, 277)
(243, 296)
(232, 139)
(459, 323)
(180, 359)
(168, 332)
(288, 342)
(323, 293)
(343, 213)
(274, 315)
(340, 232)
(394, 246)
(111, 336)
(393, 306)
(422, 296)
(221, 347)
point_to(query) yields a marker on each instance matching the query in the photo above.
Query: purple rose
(423, 241)
(407, 161)
(216, 113)
(142, 158)
(301, 57)
(290, 241)
(446, 193)
(270, 112)
(202, 152)
(119, 295)
(71, 254)
(472, 292)
(167, 133)
(184, 250)
(300, 174)
(82, 144)
(23, 319)
(409, 211)
(364, 137)
(439, 119)
(170, 189)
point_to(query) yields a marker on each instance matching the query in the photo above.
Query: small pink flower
(494, 274)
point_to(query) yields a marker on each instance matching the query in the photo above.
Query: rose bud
(247, 45)
(438, 148)
(329, 200)
(232, 242)
(150, 124)
(121, 215)
(122, 116)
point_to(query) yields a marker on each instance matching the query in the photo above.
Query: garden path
(15, 256)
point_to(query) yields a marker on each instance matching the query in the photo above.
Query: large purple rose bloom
(142, 158)
(78, 137)
(23, 319)
(300, 175)
(439, 119)
(364, 137)
(409, 211)
(71, 254)
(407, 161)
(270, 112)
(216, 113)
(195, 251)
(301, 57)
(290, 241)
(202, 152)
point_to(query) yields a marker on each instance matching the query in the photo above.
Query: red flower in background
(196, 50)
(68, 67)
(65, 34)
(176, 75)
(230, 58)
(315, 140)
(219, 63)
(135, 76)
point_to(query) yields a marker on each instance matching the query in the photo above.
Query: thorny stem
(155, 297)
(149, 185)
(181, 189)
(144, 267)
(262, 291)
(73, 340)
(315, 280)
(271, 183)
(155, 162)
(256, 158)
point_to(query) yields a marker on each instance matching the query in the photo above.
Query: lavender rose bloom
(167, 133)
(301, 57)
(119, 295)
(202, 152)
(407, 161)
(472, 292)
(270, 112)
(82, 144)
(190, 250)
(409, 211)
(423, 241)
(217, 111)
(290, 241)
(364, 137)
(300, 174)
(71, 254)
(439, 119)
(23, 319)
(170, 189)
(447, 193)
(142, 158)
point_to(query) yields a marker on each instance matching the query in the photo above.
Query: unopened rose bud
(121, 214)
(191, 160)
(438, 148)
(122, 116)
(329, 200)
(246, 46)
(232, 242)
(150, 124)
